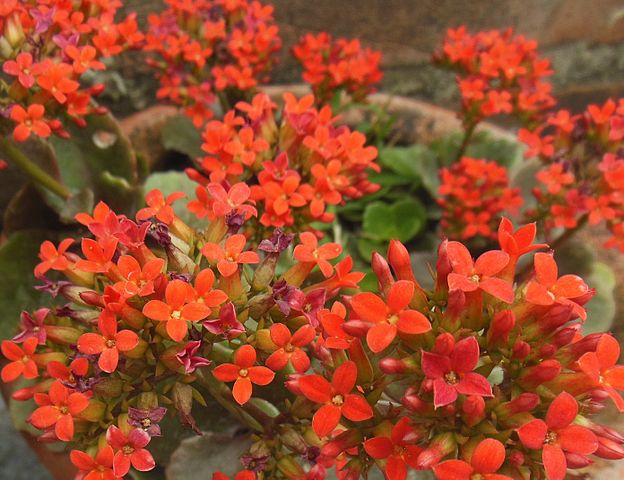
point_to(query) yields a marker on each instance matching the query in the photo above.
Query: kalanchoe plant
(497, 73)
(332, 66)
(579, 182)
(211, 49)
(477, 376)
(297, 163)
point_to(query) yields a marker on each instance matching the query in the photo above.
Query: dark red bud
(392, 366)
(521, 350)
(382, 272)
(444, 344)
(399, 259)
(575, 460)
(501, 326)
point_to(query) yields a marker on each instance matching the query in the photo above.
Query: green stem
(466, 140)
(36, 173)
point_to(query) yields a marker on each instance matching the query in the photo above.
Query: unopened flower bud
(539, 374)
(473, 409)
(439, 447)
(575, 460)
(94, 411)
(444, 344)
(290, 468)
(501, 326)
(609, 449)
(521, 350)
(382, 272)
(62, 335)
(108, 387)
(443, 268)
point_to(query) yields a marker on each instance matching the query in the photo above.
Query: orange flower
(159, 207)
(243, 373)
(309, 251)
(290, 347)
(29, 121)
(58, 408)
(56, 80)
(391, 317)
(178, 309)
(52, 258)
(99, 255)
(109, 344)
(229, 257)
(138, 280)
(22, 362)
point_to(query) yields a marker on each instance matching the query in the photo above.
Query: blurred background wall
(583, 38)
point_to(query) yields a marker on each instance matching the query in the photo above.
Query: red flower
(29, 121)
(138, 280)
(109, 343)
(56, 80)
(231, 255)
(309, 251)
(130, 450)
(290, 347)
(452, 373)
(179, 308)
(21, 358)
(233, 200)
(556, 436)
(469, 276)
(84, 58)
(517, 243)
(600, 366)
(485, 461)
(99, 254)
(397, 449)
(21, 68)
(243, 373)
(336, 398)
(98, 468)
(53, 258)
(58, 408)
(546, 289)
(391, 317)
(160, 207)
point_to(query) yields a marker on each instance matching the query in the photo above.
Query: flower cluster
(581, 177)
(498, 73)
(334, 65)
(476, 377)
(297, 163)
(474, 194)
(46, 47)
(211, 47)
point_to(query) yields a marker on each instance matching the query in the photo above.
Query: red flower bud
(443, 268)
(392, 366)
(382, 272)
(609, 449)
(542, 373)
(502, 324)
(440, 447)
(399, 259)
(575, 460)
(444, 344)
(521, 350)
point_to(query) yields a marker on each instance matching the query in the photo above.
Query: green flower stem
(36, 173)
(466, 140)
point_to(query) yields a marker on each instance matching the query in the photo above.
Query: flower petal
(325, 420)
(356, 408)
(380, 336)
(315, 388)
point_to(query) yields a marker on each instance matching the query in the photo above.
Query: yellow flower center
(451, 378)
(243, 372)
(338, 400)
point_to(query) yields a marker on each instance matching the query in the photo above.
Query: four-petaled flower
(469, 276)
(391, 317)
(600, 366)
(147, 419)
(21, 68)
(33, 327)
(160, 207)
(98, 468)
(556, 435)
(336, 398)
(290, 347)
(231, 255)
(108, 343)
(52, 258)
(243, 372)
(58, 408)
(485, 461)
(21, 360)
(452, 372)
(546, 289)
(29, 121)
(130, 450)
(309, 251)
(179, 308)
(397, 449)
(138, 280)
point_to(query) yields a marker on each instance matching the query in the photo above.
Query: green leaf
(401, 220)
(18, 257)
(602, 308)
(201, 456)
(169, 182)
(179, 134)
(94, 154)
(28, 211)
